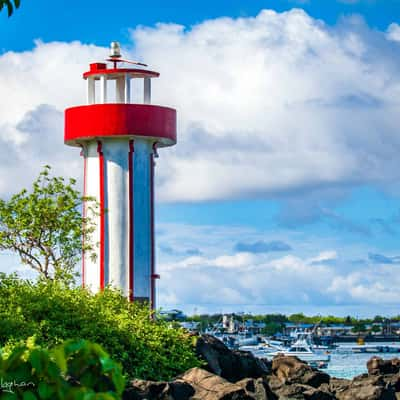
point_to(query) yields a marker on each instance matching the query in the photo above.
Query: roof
(99, 69)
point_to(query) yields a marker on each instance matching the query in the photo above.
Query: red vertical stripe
(83, 213)
(153, 277)
(102, 221)
(131, 221)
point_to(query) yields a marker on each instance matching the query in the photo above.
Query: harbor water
(346, 364)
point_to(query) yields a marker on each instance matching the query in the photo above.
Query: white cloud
(275, 103)
(318, 277)
(281, 281)
(269, 104)
(36, 87)
(325, 256)
(393, 32)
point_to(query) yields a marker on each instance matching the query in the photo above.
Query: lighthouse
(119, 140)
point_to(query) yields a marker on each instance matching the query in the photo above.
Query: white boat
(302, 348)
(263, 348)
(309, 337)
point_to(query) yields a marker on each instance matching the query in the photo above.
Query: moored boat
(302, 348)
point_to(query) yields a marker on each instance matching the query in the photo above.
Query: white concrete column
(127, 89)
(120, 89)
(116, 199)
(90, 90)
(91, 266)
(103, 89)
(147, 91)
(142, 219)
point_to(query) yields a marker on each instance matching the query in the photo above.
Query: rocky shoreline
(234, 375)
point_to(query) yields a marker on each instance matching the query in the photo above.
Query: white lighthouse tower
(119, 140)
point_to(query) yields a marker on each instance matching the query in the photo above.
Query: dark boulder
(365, 387)
(258, 388)
(294, 391)
(290, 369)
(318, 394)
(231, 365)
(209, 386)
(336, 385)
(181, 390)
(139, 389)
(377, 366)
(148, 390)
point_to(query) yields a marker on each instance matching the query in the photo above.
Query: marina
(340, 360)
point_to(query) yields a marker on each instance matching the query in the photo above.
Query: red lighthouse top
(111, 113)
(99, 69)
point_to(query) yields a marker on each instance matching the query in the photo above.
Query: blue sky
(97, 21)
(282, 194)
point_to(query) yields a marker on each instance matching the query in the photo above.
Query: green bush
(52, 313)
(72, 371)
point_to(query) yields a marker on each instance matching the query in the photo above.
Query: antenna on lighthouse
(115, 56)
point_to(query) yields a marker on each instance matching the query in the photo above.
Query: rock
(274, 383)
(366, 393)
(318, 394)
(295, 391)
(258, 389)
(365, 387)
(181, 390)
(376, 366)
(393, 382)
(290, 369)
(149, 390)
(140, 389)
(336, 385)
(209, 386)
(231, 365)
(234, 375)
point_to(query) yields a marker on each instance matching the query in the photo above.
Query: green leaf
(9, 396)
(59, 358)
(45, 390)
(37, 360)
(9, 7)
(29, 396)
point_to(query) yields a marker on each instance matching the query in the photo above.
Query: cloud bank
(321, 276)
(246, 280)
(267, 105)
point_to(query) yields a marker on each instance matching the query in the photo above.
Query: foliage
(272, 328)
(359, 327)
(205, 320)
(376, 329)
(275, 322)
(52, 313)
(45, 227)
(11, 5)
(74, 370)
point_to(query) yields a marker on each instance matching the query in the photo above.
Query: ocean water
(348, 365)
(344, 363)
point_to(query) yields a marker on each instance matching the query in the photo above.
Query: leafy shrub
(75, 370)
(44, 226)
(52, 313)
